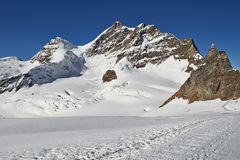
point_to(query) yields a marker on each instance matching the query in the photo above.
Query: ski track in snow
(195, 138)
(201, 143)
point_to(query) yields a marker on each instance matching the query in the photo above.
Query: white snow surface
(134, 90)
(199, 136)
(12, 66)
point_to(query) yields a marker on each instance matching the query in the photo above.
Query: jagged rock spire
(218, 59)
(209, 81)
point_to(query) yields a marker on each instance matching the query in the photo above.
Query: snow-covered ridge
(66, 79)
(55, 60)
(61, 59)
(143, 44)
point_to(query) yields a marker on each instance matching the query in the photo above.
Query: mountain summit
(53, 51)
(55, 60)
(215, 79)
(143, 44)
(123, 69)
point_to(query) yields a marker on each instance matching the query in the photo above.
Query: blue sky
(26, 25)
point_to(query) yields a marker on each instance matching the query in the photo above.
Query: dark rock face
(15, 83)
(143, 44)
(215, 79)
(109, 76)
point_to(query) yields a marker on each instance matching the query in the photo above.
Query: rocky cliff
(214, 79)
(144, 44)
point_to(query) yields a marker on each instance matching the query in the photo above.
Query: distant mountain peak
(55, 60)
(58, 41)
(45, 55)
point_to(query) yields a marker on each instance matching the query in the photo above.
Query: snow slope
(134, 90)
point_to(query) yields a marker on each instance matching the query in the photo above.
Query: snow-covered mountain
(63, 79)
(55, 60)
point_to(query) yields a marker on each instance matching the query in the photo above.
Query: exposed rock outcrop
(109, 76)
(215, 79)
(144, 44)
(15, 83)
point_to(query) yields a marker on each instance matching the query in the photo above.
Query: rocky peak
(143, 44)
(55, 60)
(217, 61)
(45, 55)
(215, 79)
(58, 42)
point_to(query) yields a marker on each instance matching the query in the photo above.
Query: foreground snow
(200, 136)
